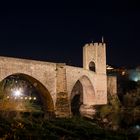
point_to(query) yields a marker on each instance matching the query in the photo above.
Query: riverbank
(59, 129)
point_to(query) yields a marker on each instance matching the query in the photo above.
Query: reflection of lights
(8, 97)
(17, 92)
(21, 98)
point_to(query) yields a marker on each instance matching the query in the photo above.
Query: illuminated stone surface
(56, 84)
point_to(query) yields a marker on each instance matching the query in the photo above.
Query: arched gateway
(61, 89)
(83, 97)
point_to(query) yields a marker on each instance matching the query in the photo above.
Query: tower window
(92, 66)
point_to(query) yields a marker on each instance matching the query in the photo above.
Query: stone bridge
(66, 90)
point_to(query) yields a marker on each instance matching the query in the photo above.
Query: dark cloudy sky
(57, 30)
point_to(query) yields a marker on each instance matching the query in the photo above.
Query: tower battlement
(95, 44)
(94, 57)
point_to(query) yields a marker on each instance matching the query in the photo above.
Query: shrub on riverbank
(57, 129)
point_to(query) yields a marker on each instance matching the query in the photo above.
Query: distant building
(121, 71)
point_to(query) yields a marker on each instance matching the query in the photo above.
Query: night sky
(57, 31)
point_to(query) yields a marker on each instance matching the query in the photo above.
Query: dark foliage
(58, 129)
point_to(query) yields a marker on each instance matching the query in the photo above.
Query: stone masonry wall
(62, 102)
(44, 72)
(98, 81)
(112, 85)
(59, 79)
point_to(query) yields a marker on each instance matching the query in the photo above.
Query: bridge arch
(82, 95)
(40, 92)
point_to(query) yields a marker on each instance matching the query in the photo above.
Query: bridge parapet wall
(44, 72)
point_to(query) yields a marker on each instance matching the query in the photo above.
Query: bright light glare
(17, 93)
(135, 79)
(137, 127)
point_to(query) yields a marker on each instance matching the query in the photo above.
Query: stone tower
(94, 57)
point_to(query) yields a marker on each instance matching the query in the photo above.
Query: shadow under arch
(48, 105)
(82, 95)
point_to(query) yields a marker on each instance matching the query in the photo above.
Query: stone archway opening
(21, 94)
(76, 98)
(92, 66)
(83, 98)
